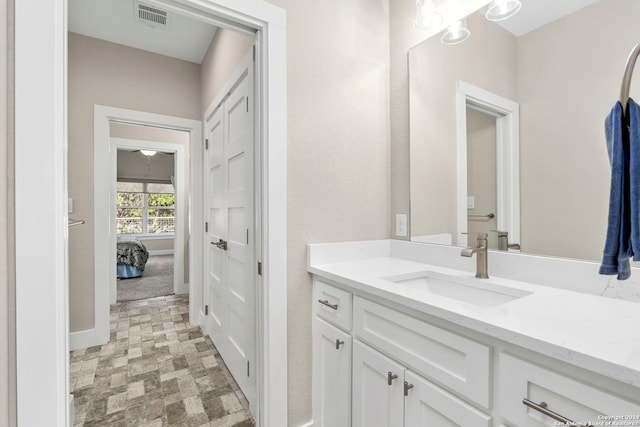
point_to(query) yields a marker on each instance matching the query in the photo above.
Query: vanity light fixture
(456, 33)
(499, 10)
(148, 153)
(426, 15)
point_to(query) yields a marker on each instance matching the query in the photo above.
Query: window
(145, 208)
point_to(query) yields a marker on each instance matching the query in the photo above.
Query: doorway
(40, 69)
(507, 160)
(149, 225)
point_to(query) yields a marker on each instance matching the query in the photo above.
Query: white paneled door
(230, 231)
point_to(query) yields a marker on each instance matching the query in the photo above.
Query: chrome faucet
(481, 255)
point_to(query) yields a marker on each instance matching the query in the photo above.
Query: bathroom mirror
(562, 70)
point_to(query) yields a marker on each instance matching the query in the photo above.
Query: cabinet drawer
(576, 401)
(332, 304)
(454, 361)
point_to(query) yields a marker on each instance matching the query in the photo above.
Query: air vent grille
(151, 16)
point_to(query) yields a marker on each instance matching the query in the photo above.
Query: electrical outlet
(401, 225)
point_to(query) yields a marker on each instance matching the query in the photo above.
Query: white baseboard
(84, 339)
(72, 411)
(183, 289)
(309, 424)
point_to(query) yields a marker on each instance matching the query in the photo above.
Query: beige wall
(487, 60)
(108, 74)
(225, 52)
(338, 149)
(574, 64)
(7, 237)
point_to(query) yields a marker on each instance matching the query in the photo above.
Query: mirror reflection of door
(481, 174)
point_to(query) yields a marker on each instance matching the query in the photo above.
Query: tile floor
(156, 371)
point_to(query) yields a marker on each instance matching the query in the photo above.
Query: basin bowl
(478, 292)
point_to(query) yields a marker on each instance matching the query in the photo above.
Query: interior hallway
(157, 370)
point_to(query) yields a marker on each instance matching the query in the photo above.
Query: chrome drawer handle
(542, 407)
(326, 302)
(338, 344)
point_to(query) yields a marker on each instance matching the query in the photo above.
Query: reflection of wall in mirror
(568, 77)
(574, 64)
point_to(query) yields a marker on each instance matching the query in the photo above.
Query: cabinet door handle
(542, 407)
(390, 378)
(407, 387)
(339, 343)
(326, 302)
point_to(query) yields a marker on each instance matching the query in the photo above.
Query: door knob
(221, 244)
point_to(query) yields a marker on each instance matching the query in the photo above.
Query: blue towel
(633, 115)
(617, 249)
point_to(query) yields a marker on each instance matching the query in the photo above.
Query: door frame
(41, 201)
(507, 114)
(104, 207)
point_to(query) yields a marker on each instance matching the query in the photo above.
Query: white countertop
(592, 332)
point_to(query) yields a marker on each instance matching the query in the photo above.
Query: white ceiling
(536, 13)
(115, 21)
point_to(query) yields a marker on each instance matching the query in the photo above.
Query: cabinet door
(378, 398)
(331, 376)
(426, 405)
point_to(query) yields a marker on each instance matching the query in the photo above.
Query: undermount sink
(479, 292)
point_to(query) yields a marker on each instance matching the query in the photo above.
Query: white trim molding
(42, 350)
(507, 114)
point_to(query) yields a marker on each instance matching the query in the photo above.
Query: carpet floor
(156, 371)
(156, 281)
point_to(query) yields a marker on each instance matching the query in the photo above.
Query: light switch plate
(70, 205)
(401, 225)
(471, 202)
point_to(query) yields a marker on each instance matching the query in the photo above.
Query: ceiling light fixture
(426, 15)
(456, 33)
(499, 10)
(148, 153)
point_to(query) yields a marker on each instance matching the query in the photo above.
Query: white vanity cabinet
(377, 363)
(375, 373)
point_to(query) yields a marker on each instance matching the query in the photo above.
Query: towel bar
(74, 222)
(626, 79)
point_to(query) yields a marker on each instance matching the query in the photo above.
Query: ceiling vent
(151, 16)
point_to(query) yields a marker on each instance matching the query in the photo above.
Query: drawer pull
(542, 407)
(338, 344)
(407, 387)
(326, 302)
(390, 378)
